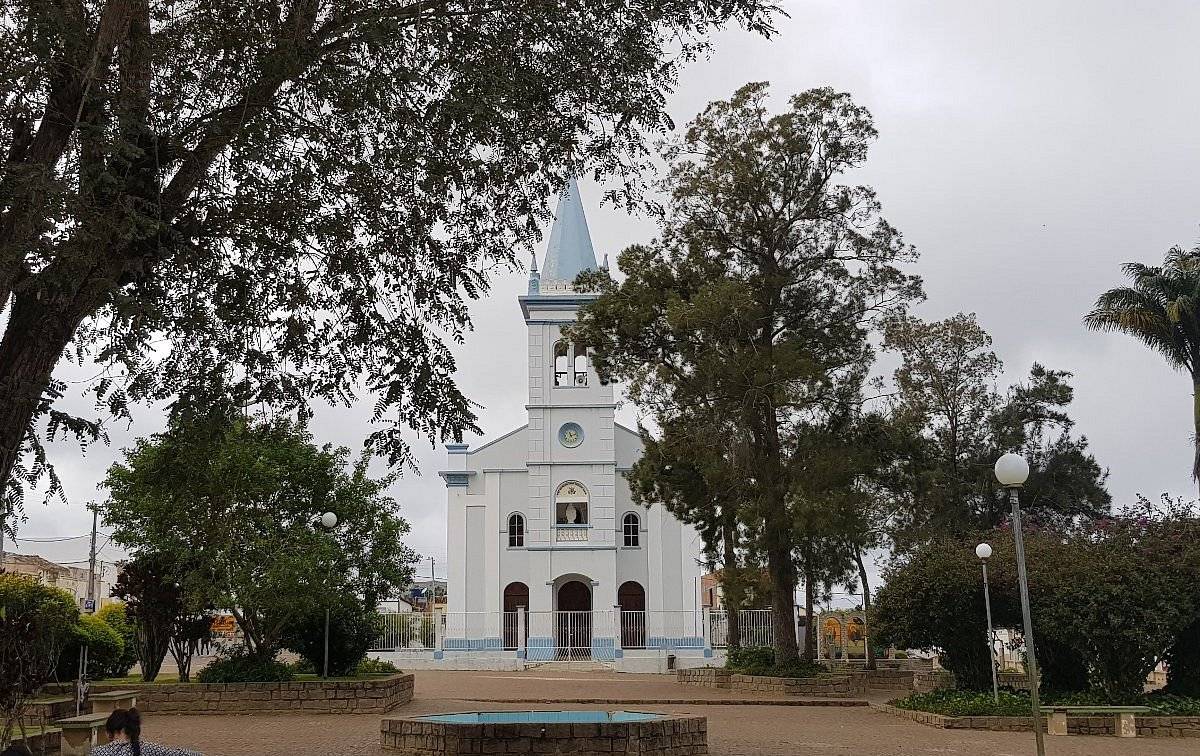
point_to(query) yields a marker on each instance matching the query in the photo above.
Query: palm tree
(1162, 309)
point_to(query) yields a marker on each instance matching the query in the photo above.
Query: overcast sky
(1026, 148)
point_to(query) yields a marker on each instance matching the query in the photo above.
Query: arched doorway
(574, 620)
(631, 597)
(516, 596)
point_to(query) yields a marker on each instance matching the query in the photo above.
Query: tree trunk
(731, 599)
(783, 618)
(866, 589)
(810, 622)
(182, 652)
(34, 340)
(1196, 427)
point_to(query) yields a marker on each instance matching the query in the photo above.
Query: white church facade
(549, 556)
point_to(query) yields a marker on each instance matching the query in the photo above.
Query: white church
(549, 557)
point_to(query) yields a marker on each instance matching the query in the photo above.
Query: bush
(966, 703)
(105, 649)
(750, 657)
(1015, 703)
(352, 630)
(1183, 662)
(241, 666)
(36, 621)
(114, 616)
(760, 660)
(371, 666)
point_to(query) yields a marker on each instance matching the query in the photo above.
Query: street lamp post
(328, 522)
(1012, 471)
(984, 552)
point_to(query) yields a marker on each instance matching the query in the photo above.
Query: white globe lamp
(329, 521)
(983, 551)
(1012, 470)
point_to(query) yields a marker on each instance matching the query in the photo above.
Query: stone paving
(733, 730)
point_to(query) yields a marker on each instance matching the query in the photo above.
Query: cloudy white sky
(1026, 148)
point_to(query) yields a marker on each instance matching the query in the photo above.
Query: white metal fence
(567, 635)
(754, 628)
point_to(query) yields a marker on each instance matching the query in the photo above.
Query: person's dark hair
(129, 722)
(16, 749)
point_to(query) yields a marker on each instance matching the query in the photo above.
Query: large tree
(295, 196)
(945, 391)
(1162, 310)
(693, 467)
(756, 300)
(234, 503)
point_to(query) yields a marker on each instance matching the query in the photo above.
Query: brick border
(371, 696)
(834, 686)
(669, 735)
(1147, 726)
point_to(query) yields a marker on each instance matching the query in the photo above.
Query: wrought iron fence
(567, 635)
(754, 627)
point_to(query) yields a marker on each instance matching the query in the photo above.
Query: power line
(57, 540)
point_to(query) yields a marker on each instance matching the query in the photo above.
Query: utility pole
(90, 606)
(81, 684)
(432, 585)
(3, 519)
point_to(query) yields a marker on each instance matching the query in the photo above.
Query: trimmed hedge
(240, 667)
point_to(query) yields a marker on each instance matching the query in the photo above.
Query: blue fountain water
(541, 717)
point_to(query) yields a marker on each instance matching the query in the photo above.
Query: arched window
(562, 364)
(571, 504)
(516, 530)
(581, 365)
(631, 527)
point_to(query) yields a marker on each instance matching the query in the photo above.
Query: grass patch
(1015, 703)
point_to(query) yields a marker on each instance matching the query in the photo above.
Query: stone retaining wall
(49, 710)
(1147, 726)
(836, 686)
(672, 736)
(372, 696)
(927, 682)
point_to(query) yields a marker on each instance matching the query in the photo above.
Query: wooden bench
(1124, 718)
(114, 699)
(81, 733)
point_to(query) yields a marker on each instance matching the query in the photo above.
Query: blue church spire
(570, 250)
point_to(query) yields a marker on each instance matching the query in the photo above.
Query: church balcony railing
(564, 533)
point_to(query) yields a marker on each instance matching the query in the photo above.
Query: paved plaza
(733, 730)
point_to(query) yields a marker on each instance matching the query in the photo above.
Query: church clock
(570, 435)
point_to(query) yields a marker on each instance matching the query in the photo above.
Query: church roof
(570, 250)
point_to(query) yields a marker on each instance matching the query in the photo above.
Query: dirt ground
(733, 730)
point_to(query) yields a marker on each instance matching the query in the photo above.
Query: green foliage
(114, 615)
(1183, 661)
(750, 657)
(105, 649)
(156, 227)
(242, 666)
(234, 504)
(951, 424)
(352, 629)
(1015, 703)
(36, 622)
(153, 599)
(1108, 600)
(758, 660)
(966, 703)
(743, 327)
(369, 666)
(934, 600)
(1162, 310)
